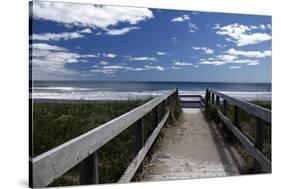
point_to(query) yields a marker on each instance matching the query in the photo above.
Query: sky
(114, 43)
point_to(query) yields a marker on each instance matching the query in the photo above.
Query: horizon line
(160, 81)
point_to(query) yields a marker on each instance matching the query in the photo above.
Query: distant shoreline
(73, 101)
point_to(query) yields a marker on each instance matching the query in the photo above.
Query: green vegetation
(247, 126)
(56, 123)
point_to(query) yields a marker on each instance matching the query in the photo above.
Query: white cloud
(44, 46)
(242, 35)
(159, 68)
(196, 66)
(112, 69)
(176, 68)
(235, 67)
(181, 18)
(142, 58)
(109, 55)
(120, 31)
(104, 71)
(174, 40)
(262, 26)
(161, 53)
(87, 15)
(220, 45)
(212, 62)
(51, 60)
(227, 59)
(192, 27)
(251, 54)
(246, 61)
(182, 64)
(57, 36)
(253, 63)
(103, 63)
(87, 30)
(205, 49)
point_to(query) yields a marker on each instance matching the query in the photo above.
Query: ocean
(119, 90)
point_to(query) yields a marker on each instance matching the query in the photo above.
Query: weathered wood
(256, 153)
(133, 167)
(139, 135)
(217, 100)
(139, 138)
(236, 120)
(225, 107)
(55, 162)
(156, 116)
(259, 134)
(89, 173)
(253, 109)
(202, 100)
(194, 96)
(191, 101)
(259, 140)
(207, 98)
(213, 98)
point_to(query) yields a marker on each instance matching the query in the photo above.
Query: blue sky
(87, 42)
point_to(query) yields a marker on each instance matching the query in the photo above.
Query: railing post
(259, 141)
(217, 100)
(236, 116)
(89, 170)
(213, 98)
(236, 122)
(139, 138)
(207, 98)
(139, 135)
(177, 95)
(225, 106)
(156, 116)
(156, 121)
(168, 100)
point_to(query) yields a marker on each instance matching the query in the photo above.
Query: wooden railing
(50, 165)
(214, 98)
(200, 101)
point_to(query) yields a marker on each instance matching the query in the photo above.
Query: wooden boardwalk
(192, 149)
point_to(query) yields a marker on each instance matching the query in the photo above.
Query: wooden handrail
(132, 168)
(262, 115)
(253, 109)
(55, 162)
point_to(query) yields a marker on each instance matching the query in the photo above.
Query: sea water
(121, 90)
